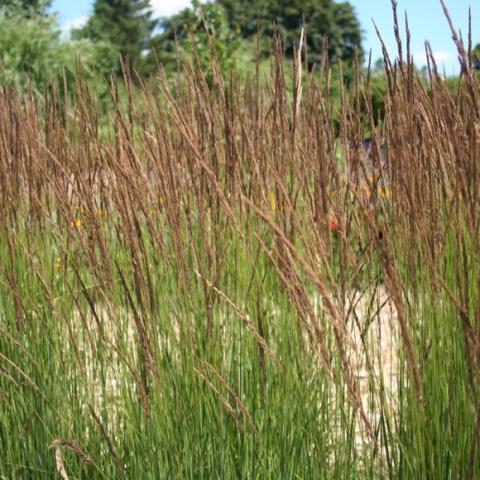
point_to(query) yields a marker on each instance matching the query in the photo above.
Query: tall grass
(198, 285)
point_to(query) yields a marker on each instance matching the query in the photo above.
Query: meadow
(217, 280)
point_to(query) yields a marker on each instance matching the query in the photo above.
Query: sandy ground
(375, 360)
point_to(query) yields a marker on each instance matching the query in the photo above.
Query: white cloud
(443, 56)
(165, 8)
(71, 24)
(440, 56)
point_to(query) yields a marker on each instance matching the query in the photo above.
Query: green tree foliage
(323, 18)
(126, 24)
(29, 48)
(32, 51)
(196, 32)
(329, 19)
(29, 8)
(476, 57)
(378, 93)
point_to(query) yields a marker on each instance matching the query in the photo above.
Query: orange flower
(332, 225)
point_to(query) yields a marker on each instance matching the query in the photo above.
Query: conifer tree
(126, 24)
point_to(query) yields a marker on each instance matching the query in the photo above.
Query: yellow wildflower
(76, 223)
(57, 264)
(385, 192)
(273, 200)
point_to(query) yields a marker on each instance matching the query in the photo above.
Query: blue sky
(425, 17)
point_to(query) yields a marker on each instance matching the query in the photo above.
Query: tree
(476, 57)
(126, 24)
(323, 18)
(32, 52)
(29, 8)
(195, 31)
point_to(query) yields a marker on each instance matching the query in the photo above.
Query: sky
(425, 18)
